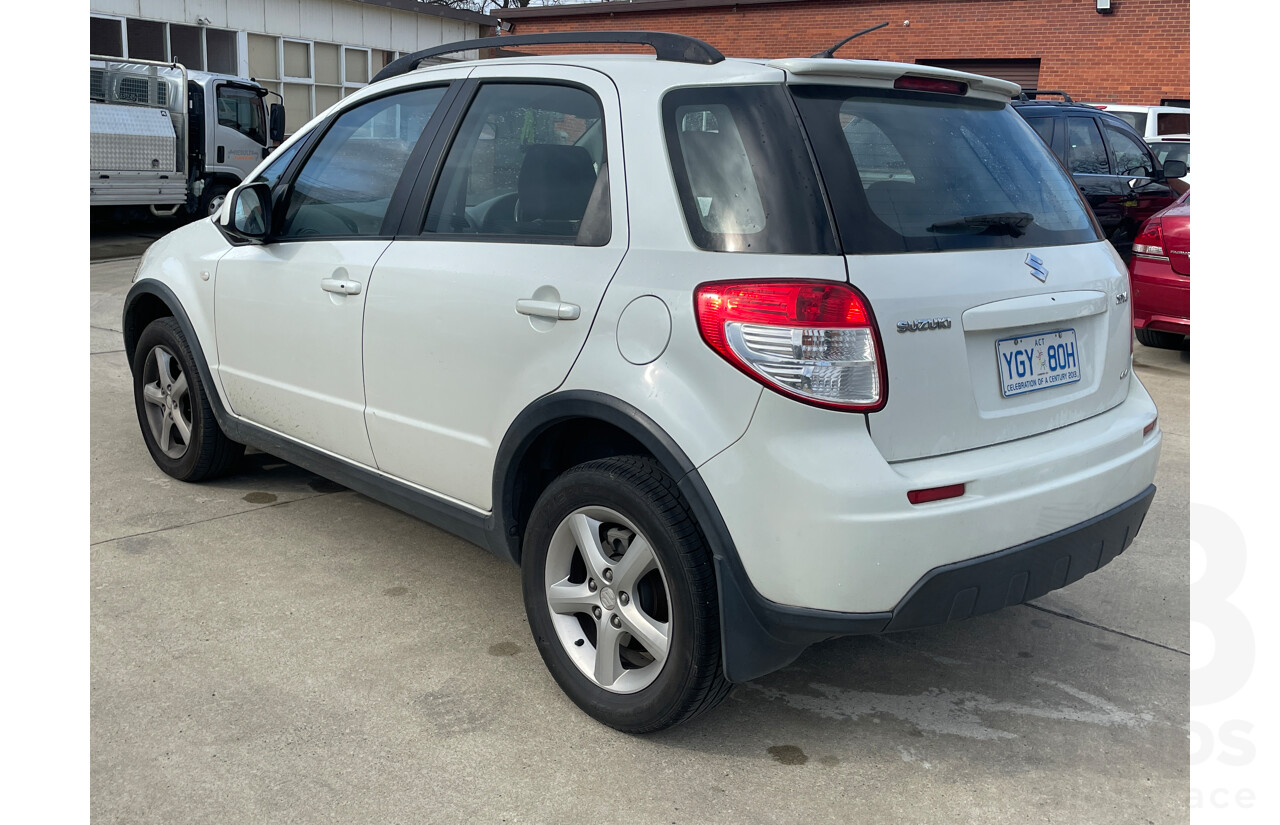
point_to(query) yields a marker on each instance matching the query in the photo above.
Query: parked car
(1160, 277)
(1150, 121)
(643, 328)
(1174, 147)
(1114, 167)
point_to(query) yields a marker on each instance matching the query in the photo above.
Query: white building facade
(311, 52)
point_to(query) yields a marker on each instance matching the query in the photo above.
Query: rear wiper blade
(1011, 222)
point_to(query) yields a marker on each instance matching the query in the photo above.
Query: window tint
(1173, 123)
(724, 187)
(1130, 157)
(912, 172)
(242, 110)
(344, 188)
(1086, 154)
(528, 162)
(745, 178)
(1044, 128)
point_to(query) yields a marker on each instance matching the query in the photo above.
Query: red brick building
(1139, 53)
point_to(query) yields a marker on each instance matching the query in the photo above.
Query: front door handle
(340, 286)
(556, 310)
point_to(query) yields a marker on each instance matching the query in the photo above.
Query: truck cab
(148, 149)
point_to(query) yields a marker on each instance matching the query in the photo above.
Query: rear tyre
(173, 408)
(621, 596)
(1158, 339)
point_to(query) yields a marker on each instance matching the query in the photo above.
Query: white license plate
(1037, 362)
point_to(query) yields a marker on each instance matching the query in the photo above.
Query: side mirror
(249, 217)
(1175, 169)
(277, 122)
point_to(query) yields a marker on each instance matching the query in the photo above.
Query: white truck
(172, 140)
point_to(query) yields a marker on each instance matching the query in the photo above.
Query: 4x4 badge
(1038, 268)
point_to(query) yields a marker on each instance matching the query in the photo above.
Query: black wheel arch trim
(757, 636)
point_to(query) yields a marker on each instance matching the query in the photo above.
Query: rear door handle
(340, 286)
(557, 310)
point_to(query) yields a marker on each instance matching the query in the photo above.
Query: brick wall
(1139, 54)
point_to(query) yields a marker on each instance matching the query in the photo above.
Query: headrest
(555, 183)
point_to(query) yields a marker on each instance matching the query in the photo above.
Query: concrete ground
(272, 648)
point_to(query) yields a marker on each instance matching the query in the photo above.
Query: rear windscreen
(1173, 123)
(745, 178)
(925, 172)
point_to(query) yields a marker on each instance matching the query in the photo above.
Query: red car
(1160, 276)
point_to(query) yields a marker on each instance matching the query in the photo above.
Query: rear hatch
(999, 305)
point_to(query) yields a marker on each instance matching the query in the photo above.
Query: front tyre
(173, 408)
(621, 596)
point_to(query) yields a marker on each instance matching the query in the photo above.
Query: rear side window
(915, 172)
(1043, 127)
(745, 178)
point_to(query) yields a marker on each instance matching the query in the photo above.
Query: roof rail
(673, 47)
(1028, 94)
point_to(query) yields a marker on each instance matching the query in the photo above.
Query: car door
(485, 298)
(289, 311)
(1136, 171)
(1086, 158)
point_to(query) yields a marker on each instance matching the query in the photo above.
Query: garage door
(1025, 73)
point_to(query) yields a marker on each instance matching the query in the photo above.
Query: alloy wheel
(609, 600)
(167, 401)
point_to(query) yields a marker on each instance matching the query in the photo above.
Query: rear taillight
(1150, 241)
(812, 341)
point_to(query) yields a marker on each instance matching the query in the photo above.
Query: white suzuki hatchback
(729, 356)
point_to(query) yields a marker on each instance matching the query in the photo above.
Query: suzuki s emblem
(1038, 268)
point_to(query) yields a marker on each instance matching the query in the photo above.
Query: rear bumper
(820, 539)
(1161, 297)
(777, 633)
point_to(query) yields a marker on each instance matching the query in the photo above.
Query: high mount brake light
(1150, 241)
(812, 341)
(931, 84)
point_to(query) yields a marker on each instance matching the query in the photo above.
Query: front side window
(1130, 157)
(1086, 154)
(242, 110)
(279, 162)
(528, 162)
(921, 172)
(345, 186)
